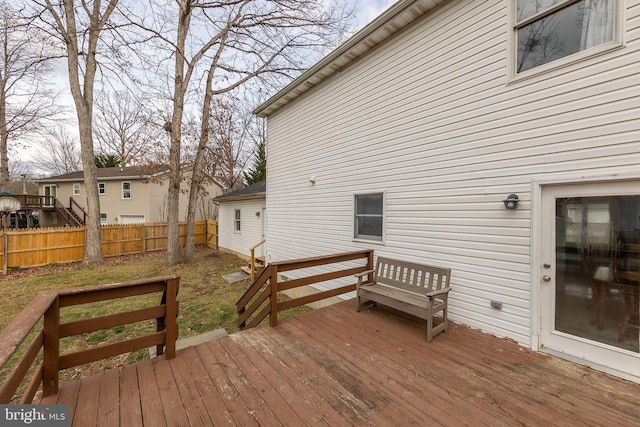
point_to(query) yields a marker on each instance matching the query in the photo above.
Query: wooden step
(247, 269)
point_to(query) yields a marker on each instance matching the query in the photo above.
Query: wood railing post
(171, 317)
(51, 349)
(273, 284)
(253, 264)
(370, 265)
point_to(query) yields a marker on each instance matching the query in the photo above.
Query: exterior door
(590, 273)
(50, 191)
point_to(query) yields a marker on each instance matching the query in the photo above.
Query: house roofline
(110, 178)
(390, 22)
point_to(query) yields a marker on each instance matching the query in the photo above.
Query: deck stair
(259, 266)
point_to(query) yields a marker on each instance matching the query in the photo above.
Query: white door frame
(537, 260)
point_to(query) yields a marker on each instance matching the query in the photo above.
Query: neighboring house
(127, 195)
(408, 137)
(242, 220)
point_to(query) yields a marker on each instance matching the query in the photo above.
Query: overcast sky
(366, 11)
(369, 9)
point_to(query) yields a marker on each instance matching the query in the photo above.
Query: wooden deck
(336, 367)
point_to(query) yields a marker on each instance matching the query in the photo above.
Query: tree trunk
(4, 149)
(197, 173)
(93, 248)
(180, 86)
(173, 194)
(83, 99)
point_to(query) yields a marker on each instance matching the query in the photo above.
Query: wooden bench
(416, 289)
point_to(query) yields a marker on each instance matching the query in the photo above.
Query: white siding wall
(430, 120)
(251, 226)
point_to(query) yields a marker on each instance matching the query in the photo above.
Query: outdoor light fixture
(511, 201)
(258, 214)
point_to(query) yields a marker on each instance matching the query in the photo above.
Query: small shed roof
(253, 191)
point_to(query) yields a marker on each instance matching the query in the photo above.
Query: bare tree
(26, 101)
(124, 126)
(230, 142)
(234, 42)
(59, 153)
(80, 27)
(20, 181)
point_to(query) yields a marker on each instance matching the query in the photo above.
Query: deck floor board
(130, 403)
(335, 367)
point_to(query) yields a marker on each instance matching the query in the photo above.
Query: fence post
(51, 349)
(4, 252)
(273, 285)
(144, 238)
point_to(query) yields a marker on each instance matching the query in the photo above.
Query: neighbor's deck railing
(47, 305)
(261, 299)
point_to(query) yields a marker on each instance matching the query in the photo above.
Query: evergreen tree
(259, 171)
(107, 161)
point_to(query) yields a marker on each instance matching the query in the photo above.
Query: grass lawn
(207, 302)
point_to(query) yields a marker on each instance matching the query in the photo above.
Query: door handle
(546, 278)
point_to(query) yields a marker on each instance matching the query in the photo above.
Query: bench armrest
(438, 292)
(361, 275)
(364, 273)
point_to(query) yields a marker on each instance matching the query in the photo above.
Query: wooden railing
(81, 214)
(28, 201)
(62, 211)
(74, 215)
(261, 299)
(47, 306)
(253, 258)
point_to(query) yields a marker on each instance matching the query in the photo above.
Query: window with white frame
(369, 216)
(236, 220)
(103, 218)
(548, 30)
(126, 190)
(76, 189)
(102, 189)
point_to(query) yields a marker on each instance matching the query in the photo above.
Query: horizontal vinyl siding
(430, 119)
(250, 226)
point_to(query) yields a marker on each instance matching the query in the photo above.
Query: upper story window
(126, 190)
(369, 216)
(76, 189)
(236, 220)
(548, 30)
(101, 188)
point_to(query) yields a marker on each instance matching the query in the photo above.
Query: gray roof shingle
(259, 189)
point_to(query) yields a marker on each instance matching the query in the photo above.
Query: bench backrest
(411, 276)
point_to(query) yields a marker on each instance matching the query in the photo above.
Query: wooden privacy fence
(42, 319)
(36, 247)
(261, 299)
